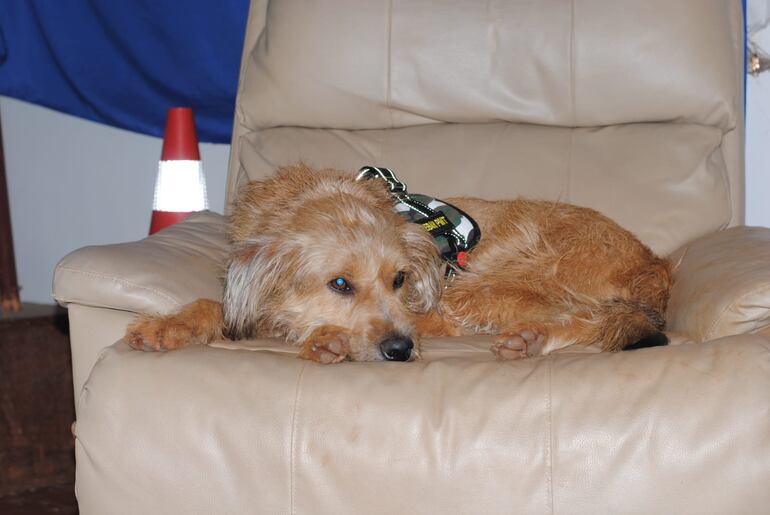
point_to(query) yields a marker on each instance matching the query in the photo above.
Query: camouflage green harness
(454, 232)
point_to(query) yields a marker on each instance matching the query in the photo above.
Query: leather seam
(126, 282)
(388, 93)
(549, 442)
(572, 63)
(292, 443)
(80, 401)
(239, 116)
(570, 157)
(726, 178)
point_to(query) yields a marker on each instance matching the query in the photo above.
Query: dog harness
(454, 232)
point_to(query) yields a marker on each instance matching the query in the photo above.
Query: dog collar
(454, 232)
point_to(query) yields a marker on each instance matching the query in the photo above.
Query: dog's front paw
(326, 345)
(520, 343)
(160, 333)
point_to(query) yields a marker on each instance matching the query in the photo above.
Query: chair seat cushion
(681, 429)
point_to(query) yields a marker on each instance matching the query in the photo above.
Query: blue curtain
(124, 62)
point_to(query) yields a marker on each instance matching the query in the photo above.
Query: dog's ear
(252, 282)
(424, 272)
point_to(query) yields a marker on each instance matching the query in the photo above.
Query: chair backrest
(632, 108)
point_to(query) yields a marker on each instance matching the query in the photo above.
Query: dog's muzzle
(397, 348)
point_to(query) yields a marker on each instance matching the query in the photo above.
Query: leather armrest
(155, 275)
(722, 285)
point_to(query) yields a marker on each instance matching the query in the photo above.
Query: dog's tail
(626, 324)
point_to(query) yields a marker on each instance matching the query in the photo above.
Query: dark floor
(37, 462)
(58, 500)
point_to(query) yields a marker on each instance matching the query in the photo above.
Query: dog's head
(316, 250)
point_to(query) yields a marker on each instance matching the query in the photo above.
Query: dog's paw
(159, 333)
(326, 345)
(520, 343)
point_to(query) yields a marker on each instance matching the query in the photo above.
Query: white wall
(758, 118)
(758, 150)
(73, 183)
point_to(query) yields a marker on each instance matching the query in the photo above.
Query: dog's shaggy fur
(545, 275)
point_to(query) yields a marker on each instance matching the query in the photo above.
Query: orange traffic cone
(180, 188)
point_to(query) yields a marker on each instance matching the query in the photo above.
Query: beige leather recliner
(632, 108)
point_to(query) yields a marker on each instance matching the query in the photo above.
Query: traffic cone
(180, 188)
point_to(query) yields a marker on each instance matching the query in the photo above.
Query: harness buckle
(454, 232)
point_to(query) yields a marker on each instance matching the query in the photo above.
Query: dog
(323, 261)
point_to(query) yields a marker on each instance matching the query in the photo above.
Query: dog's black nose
(397, 348)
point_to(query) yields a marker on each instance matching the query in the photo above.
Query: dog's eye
(340, 285)
(398, 282)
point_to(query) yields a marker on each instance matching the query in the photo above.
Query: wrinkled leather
(206, 430)
(722, 284)
(91, 330)
(155, 275)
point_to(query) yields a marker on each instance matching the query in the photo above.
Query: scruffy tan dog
(322, 260)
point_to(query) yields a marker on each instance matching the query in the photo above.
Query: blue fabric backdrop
(124, 62)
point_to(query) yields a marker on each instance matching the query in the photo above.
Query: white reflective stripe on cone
(180, 186)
